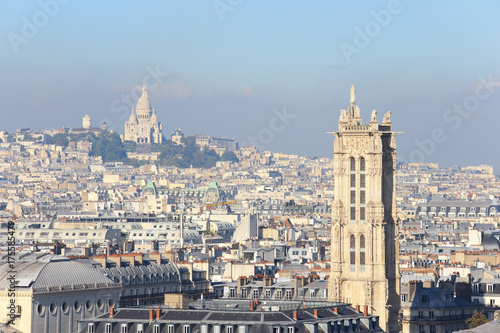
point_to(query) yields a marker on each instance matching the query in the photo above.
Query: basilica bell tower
(364, 245)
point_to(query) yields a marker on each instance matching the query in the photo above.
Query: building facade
(143, 126)
(364, 250)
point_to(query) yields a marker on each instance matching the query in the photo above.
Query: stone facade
(143, 126)
(364, 248)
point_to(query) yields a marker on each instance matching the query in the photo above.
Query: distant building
(459, 209)
(219, 144)
(433, 310)
(143, 125)
(86, 122)
(177, 136)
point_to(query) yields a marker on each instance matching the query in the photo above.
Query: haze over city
(232, 65)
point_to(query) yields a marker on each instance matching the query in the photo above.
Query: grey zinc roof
(42, 270)
(69, 273)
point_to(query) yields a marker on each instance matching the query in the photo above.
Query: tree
(229, 156)
(476, 320)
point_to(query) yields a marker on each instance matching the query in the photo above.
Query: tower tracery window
(362, 253)
(353, 253)
(362, 194)
(353, 190)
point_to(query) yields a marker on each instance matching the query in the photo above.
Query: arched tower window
(362, 184)
(353, 190)
(362, 253)
(353, 253)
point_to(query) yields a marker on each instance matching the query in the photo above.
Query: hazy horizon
(276, 71)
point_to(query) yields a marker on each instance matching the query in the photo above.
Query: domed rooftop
(143, 105)
(132, 117)
(154, 118)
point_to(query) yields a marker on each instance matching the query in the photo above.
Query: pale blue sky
(227, 76)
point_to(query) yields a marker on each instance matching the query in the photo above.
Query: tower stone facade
(364, 247)
(143, 126)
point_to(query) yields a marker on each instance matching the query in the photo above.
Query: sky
(270, 73)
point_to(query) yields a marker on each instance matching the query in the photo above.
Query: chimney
(251, 306)
(357, 308)
(316, 313)
(298, 283)
(365, 313)
(336, 310)
(151, 315)
(295, 314)
(241, 283)
(111, 312)
(158, 313)
(413, 287)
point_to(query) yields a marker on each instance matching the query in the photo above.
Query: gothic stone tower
(364, 248)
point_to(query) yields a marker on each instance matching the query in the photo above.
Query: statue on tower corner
(387, 118)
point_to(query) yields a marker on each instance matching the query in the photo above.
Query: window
(244, 293)
(353, 164)
(255, 293)
(216, 329)
(276, 330)
(229, 329)
(421, 329)
(431, 314)
(204, 329)
(424, 298)
(107, 328)
(362, 253)
(362, 164)
(124, 328)
(140, 328)
(476, 288)
(312, 293)
(288, 295)
(295, 253)
(291, 330)
(403, 297)
(353, 214)
(90, 328)
(232, 293)
(353, 253)
(170, 329)
(420, 314)
(489, 288)
(278, 294)
(268, 293)
(186, 329)
(156, 329)
(433, 329)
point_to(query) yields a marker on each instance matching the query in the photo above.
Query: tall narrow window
(353, 190)
(353, 253)
(362, 184)
(362, 253)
